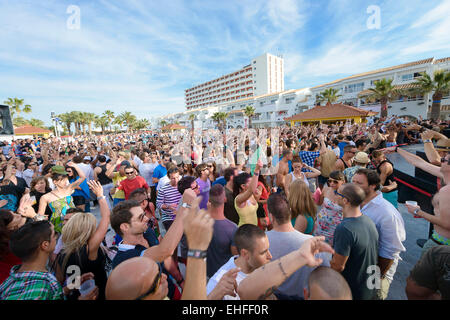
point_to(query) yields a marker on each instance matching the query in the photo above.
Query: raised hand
(96, 187)
(313, 246)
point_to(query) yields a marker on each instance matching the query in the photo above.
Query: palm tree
(439, 85)
(77, 120)
(67, 119)
(140, 124)
(249, 111)
(163, 123)
(15, 106)
(110, 116)
(329, 95)
(36, 123)
(90, 118)
(101, 122)
(128, 118)
(118, 120)
(221, 119)
(19, 121)
(384, 92)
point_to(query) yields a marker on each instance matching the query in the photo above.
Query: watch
(416, 211)
(197, 254)
(185, 205)
(426, 141)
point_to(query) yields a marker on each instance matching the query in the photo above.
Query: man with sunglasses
(132, 182)
(355, 243)
(161, 170)
(346, 161)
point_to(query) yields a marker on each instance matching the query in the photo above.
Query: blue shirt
(159, 172)
(221, 181)
(341, 146)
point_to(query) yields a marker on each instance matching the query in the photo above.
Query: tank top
(345, 164)
(390, 177)
(102, 176)
(304, 178)
(247, 214)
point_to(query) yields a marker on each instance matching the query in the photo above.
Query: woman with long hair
(81, 193)
(330, 216)
(263, 213)
(188, 170)
(212, 168)
(303, 208)
(40, 186)
(245, 196)
(204, 184)
(60, 199)
(297, 166)
(82, 239)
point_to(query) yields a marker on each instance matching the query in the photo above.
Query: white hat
(361, 157)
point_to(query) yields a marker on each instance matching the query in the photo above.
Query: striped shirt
(166, 196)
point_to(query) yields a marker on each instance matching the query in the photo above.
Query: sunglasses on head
(154, 286)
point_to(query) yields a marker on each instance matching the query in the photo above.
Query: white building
(264, 74)
(271, 108)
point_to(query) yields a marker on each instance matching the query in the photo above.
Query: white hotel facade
(272, 103)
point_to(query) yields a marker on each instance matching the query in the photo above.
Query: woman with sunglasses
(297, 166)
(212, 168)
(16, 186)
(81, 192)
(330, 216)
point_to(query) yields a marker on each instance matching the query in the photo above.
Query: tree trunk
(436, 106)
(90, 128)
(384, 111)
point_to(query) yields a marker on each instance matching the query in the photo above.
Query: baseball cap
(362, 157)
(59, 170)
(87, 158)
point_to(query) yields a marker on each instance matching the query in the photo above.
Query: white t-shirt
(28, 176)
(212, 283)
(146, 171)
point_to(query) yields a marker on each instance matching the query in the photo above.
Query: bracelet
(102, 197)
(427, 141)
(197, 254)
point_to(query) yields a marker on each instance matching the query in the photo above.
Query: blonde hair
(76, 234)
(300, 200)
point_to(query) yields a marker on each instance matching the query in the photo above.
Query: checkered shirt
(30, 285)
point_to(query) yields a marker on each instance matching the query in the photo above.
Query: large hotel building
(264, 74)
(261, 85)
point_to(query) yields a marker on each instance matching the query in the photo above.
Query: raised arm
(418, 162)
(262, 282)
(241, 198)
(81, 175)
(173, 236)
(102, 228)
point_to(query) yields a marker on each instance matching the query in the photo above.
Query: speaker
(6, 125)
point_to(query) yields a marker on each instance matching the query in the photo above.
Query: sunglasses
(339, 194)
(333, 181)
(444, 160)
(129, 173)
(154, 286)
(210, 166)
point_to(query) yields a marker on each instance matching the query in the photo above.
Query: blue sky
(140, 55)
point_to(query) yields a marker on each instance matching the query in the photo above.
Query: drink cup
(87, 286)
(411, 203)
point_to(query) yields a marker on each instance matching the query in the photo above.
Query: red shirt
(128, 186)
(6, 263)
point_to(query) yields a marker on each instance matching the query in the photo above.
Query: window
(289, 100)
(354, 87)
(407, 77)
(418, 74)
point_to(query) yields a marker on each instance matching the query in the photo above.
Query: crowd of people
(324, 224)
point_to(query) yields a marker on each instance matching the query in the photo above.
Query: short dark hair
(278, 206)
(245, 236)
(360, 142)
(216, 195)
(26, 240)
(354, 194)
(185, 183)
(331, 282)
(373, 178)
(101, 158)
(338, 175)
(122, 214)
(228, 173)
(172, 170)
(136, 192)
(348, 148)
(286, 152)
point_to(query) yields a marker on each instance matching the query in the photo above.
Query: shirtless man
(283, 168)
(346, 161)
(391, 137)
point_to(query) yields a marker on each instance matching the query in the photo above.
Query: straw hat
(361, 157)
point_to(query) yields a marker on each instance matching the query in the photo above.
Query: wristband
(427, 141)
(102, 197)
(197, 254)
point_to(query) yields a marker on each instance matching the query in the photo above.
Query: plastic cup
(411, 203)
(87, 286)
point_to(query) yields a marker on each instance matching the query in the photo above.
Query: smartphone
(33, 200)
